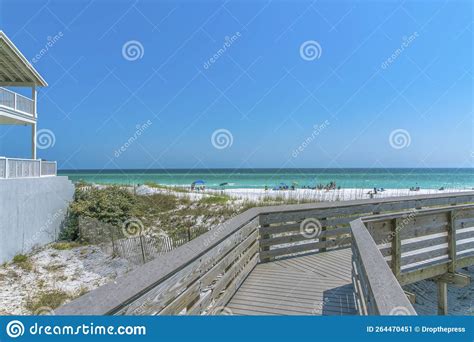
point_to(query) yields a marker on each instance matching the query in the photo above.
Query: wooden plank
(295, 227)
(315, 304)
(301, 248)
(300, 237)
(235, 284)
(457, 279)
(421, 274)
(422, 255)
(183, 299)
(205, 300)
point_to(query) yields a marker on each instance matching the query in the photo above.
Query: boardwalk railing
(201, 276)
(412, 246)
(26, 168)
(16, 101)
(377, 290)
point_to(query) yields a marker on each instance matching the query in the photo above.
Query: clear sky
(387, 83)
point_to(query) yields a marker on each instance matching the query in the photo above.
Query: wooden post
(442, 298)
(323, 229)
(396, 249)
(452, 241)
(261, 238)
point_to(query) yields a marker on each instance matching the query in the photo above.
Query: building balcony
(16, 108)
(26, 168)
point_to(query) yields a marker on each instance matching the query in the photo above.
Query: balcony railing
(26, 168)
(16, 102)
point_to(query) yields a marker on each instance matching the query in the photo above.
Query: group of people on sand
(330, 186)
(195, 187)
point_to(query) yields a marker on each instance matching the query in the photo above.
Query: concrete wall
(32, 211)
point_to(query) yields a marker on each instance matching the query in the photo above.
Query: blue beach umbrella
(199, 181)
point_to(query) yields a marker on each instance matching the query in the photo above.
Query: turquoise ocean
(258, 178)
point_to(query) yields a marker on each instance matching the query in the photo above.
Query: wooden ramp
(315, 284)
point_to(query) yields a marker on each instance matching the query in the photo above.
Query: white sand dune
(256, 195)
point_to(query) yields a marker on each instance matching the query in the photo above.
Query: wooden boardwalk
(315, 284)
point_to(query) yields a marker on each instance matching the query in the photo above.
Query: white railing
(16, 102)
(48, 168)
(26, 168)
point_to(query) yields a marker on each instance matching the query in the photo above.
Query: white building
(16, 109)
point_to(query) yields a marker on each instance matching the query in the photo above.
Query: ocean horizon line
(270, 168)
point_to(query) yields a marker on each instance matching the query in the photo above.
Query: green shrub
(64, 245)
(221, 199)
(23, 261)
(113, 205)
(48, 299)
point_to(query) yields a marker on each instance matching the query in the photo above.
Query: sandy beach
(256, 195)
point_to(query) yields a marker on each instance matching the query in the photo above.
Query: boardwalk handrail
(377, 290)
(167, 286)
(406, 247)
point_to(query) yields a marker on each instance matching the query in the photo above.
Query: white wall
(31, 212)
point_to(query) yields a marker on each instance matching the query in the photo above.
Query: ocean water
(259, 178)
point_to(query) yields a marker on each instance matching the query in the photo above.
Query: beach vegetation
(47, 299)
(113, 205)
(155, 185)
(65, 245)
(219, 199)
(22, 261)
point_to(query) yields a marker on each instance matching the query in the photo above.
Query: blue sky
(391, 83)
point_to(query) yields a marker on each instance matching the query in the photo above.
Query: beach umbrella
(199, 181)
(224, 184)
